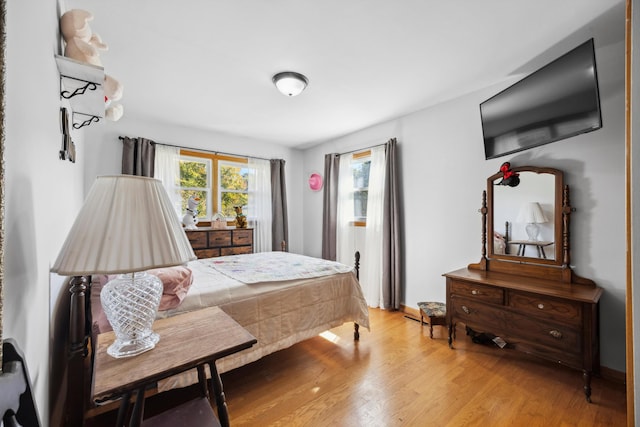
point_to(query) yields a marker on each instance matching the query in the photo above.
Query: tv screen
(558, 101)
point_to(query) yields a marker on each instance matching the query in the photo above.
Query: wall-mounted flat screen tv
(558, 101)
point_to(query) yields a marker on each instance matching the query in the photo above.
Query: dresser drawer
(207, 253)
(198, 239)
(515, 327)
(219, 238)
(477, 315)
(546, 307)
(481, 292)
(552, 335)
(242, 237)
(236, 250)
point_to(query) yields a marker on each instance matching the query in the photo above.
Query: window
(360, 166)
(195, 180)
(219, 181)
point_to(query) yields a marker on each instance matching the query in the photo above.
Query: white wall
(105, 154)
(43, 193)
(443, 173)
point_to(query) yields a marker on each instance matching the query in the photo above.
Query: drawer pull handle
(556, 334)
(465, 309)
(475, 292)
(541, 306)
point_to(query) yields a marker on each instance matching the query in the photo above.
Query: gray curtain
(330, 205)
(391, 251)
(280, 224)
(138, 156)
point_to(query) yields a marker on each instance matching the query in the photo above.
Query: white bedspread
(279, 310)
(274, 266)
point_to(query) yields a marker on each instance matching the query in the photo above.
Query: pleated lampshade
(127, 224)
(531, 212)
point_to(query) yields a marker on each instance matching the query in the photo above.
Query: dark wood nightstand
(187, 341)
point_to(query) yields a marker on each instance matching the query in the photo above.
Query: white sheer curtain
(345, 233)
(371, 274)
(167, 170)
(259, 208)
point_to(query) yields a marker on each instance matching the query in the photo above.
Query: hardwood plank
(397, 376)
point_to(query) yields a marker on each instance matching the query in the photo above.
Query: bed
(279, 297)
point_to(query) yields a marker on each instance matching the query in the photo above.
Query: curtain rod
(203, 150)
(362, 149)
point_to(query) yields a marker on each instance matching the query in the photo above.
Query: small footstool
(436, 312)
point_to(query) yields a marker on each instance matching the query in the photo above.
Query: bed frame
(79, 367)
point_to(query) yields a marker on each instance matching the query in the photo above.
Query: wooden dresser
(535, 304)
(208, 243)
(555, 321)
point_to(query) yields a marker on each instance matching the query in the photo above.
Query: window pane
(202, 205)
(360, 204)
(360, 168)
(231, 200)
(234, 177)
(193, 174)
(361, 173)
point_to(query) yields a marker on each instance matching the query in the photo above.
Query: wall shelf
(82, 85)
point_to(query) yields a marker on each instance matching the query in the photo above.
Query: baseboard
(410, 311)
(605, 373)
(613, 375)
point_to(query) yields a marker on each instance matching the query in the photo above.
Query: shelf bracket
(81, 85)
(87, 122)
(79, 91)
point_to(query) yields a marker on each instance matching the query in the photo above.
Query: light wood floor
(397, 376)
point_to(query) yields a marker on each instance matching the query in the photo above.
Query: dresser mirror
(524, 221)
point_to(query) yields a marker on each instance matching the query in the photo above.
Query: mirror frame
(557, 218)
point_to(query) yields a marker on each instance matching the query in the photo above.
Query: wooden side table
(187, 341)
(539, 245)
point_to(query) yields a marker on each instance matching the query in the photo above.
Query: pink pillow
(175, 280)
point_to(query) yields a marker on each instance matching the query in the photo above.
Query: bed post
(76, 395)
(356, 327)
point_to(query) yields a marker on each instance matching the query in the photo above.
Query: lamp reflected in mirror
(531, 214)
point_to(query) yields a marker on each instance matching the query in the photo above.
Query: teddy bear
(112, 92)
(190, 218)
(81, 43)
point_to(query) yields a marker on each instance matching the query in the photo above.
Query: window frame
(214, 188)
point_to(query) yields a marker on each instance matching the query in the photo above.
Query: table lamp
(531, 213)
(127, 225)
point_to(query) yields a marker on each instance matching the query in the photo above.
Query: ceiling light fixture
(290, 83)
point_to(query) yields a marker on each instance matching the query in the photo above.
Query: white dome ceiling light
(290, 83)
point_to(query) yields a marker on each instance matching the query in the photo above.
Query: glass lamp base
(532, 230)
(130, 303)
